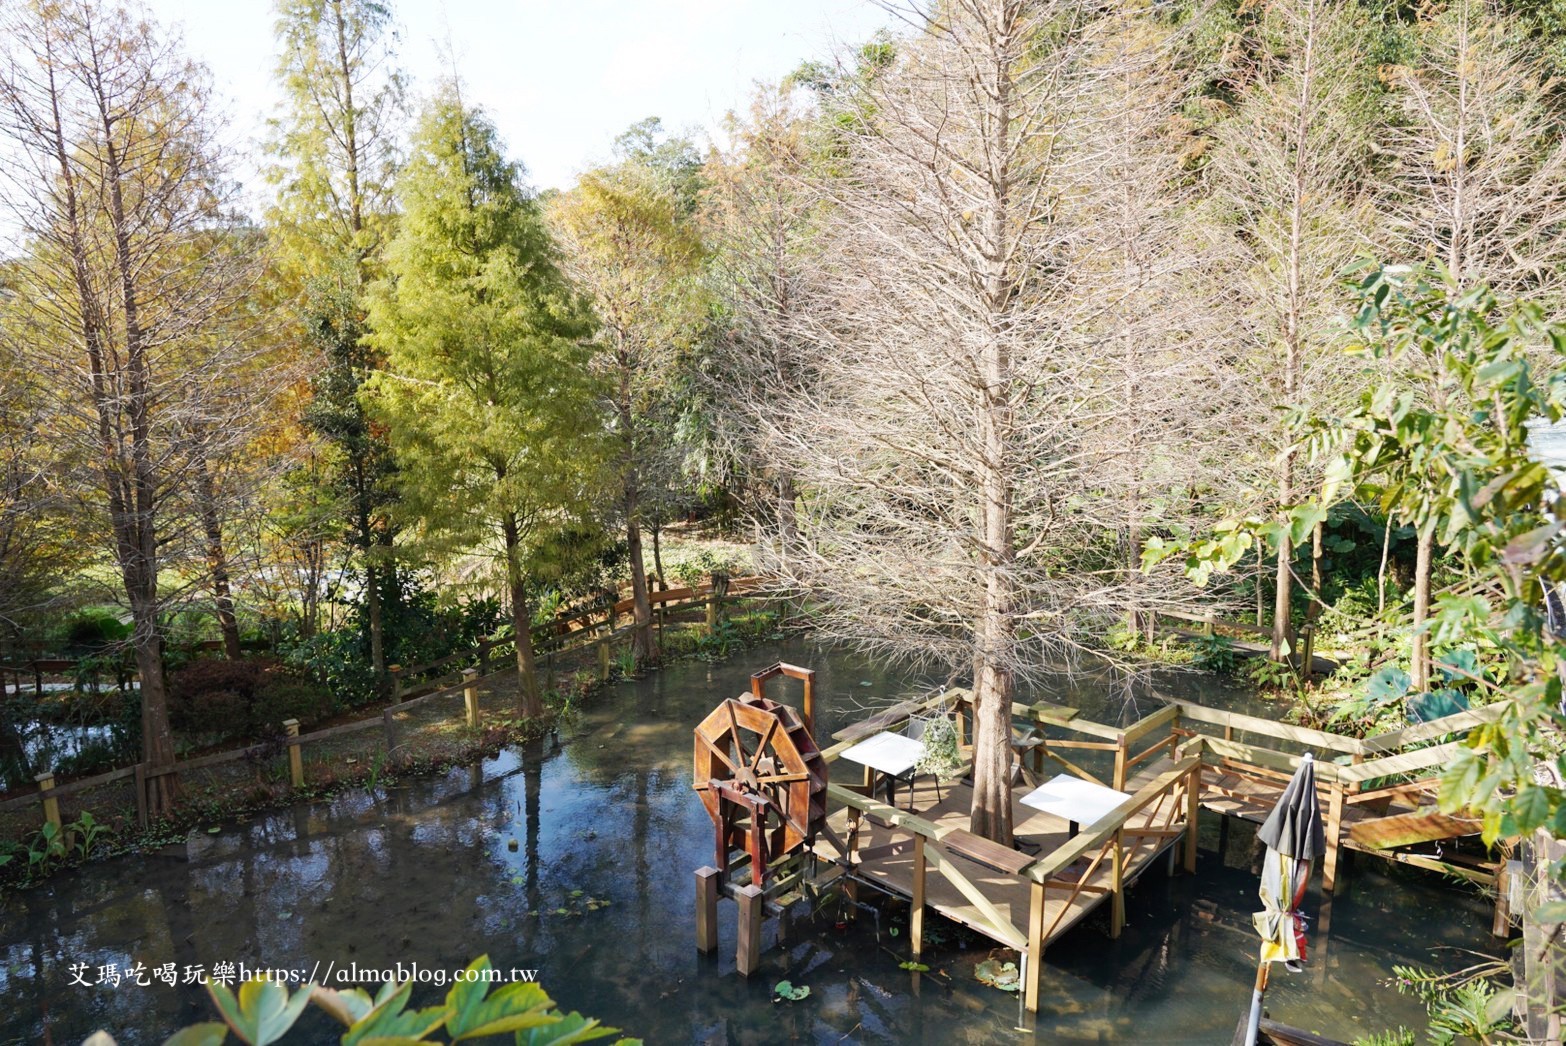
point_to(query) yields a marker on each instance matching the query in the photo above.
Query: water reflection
(425, 872)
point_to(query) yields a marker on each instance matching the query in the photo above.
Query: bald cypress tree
(486, 390)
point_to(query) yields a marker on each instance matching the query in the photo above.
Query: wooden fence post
(295, 760)
(1193, 813)
(51, 805)
(707, 909)
(470, 695)
(1117, 901)
(1122, 752)
(603, 659)
(389, 725)
(916, 913)
(484, 645)
(396, 676)
(1329, 861)
(1035, 953)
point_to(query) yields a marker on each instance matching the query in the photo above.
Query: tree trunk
(217, 558)
(657, 531)
(641, 606)
(788, 516)
(157, 741)
(996, 637)
(529, 703)
(1421, 653)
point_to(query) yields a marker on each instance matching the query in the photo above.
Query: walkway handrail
(1045, 868)
(1271, 728)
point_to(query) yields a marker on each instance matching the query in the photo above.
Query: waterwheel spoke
(766, 739)
(734, 732)
(721, 754)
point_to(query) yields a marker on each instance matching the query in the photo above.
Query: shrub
(241, 698)
(1215, 653)
(93, 629)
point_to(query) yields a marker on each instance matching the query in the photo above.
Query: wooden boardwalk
(1172, 763)
(886, 858)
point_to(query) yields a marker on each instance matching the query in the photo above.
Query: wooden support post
(1117, 901)
(470, 696)
(810, 703)
(295, 759)
(51, 805)
(916, 913)
(1193, 811)
(603, 659)
(396, 677)
(707, 909)
(961, 724)
(1501, 924)
(484, 646)
(712, 614)
(1035, 962)
(747, 952)
(1121, 754)
(1329, 860)
(389, 726)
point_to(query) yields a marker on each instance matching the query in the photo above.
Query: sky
(560, 78)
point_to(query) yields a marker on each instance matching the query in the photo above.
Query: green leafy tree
(335, 152)
(487, 393)
(633, 247)
(1458, 466)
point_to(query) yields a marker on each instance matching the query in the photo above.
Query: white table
(891, 755)
(1076, 800)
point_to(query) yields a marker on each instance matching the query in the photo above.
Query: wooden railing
(465, 680)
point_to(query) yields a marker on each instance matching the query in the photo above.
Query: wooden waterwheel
(762, 780)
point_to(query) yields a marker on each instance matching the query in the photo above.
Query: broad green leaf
(1458, 665)
(1457, 783)
(262, 1013)
(1528, 547)
(570, 1029)
(1531, 807)
(1389, 684)
(345, 1006)
(1424, 708)
(474, 1012)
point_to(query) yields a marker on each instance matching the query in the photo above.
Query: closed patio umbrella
(1294, 838)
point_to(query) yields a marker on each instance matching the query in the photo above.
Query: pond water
(424, 873)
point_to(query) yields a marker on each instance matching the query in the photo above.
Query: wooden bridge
(1173, 763)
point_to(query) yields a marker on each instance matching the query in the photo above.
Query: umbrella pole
(1253, 1027)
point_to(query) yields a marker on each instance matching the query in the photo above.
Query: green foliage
(1455, 463)
(243, 698)
(1466, 1005)
(84, 832)
(1401, 1037)
(486, 391)
(941, 756)
(1214, 653)
(47, 848)
(264, 1012)
(1272, 675)
(790, 992)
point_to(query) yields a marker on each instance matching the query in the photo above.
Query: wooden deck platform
(887, 859)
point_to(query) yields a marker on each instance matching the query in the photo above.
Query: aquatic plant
(263, 1012)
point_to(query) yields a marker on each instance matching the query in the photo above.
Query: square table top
(1074, 799)
(890, 753)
